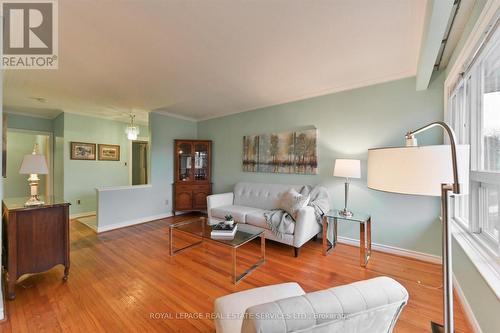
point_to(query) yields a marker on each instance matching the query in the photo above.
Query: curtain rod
(488, 34)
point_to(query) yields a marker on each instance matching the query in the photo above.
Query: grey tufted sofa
(370, 306)
(248, 202)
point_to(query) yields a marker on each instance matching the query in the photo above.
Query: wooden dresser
(35, 239)
(192, 175)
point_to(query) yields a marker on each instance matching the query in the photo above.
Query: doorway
(20, 143)
(140, 162)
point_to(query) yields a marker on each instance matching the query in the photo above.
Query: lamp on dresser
(431, 171)
(34, 164)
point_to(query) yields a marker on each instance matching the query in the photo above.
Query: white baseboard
(395, 250)
(88, 225)
(466, 306)
(78, 215)
(131, 222)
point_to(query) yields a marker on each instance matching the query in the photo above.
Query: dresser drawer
(183, 188)
(204, 188)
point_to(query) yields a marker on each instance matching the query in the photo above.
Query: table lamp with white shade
(347, 168)
(34, 164)
(430, 171)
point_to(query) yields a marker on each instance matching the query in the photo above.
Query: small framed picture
(82, 151)
(109, 152)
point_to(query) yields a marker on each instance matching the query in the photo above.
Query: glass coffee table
(199, 227)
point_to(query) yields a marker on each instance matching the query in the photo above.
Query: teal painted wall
(58, 125)
(481, 298)
(31, 127)
(81, 178)
(348, 123)
(18, 145)
(29, 123)
(143, 203)
(164, 130)
(77, 180)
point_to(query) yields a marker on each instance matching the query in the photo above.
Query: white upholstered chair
(370, 306)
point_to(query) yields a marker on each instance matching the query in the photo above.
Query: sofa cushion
(291, 201)
(229, 309)
(239, 213)
(258, 219)
(261, 195)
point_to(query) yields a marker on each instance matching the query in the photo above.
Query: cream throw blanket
(280, 222)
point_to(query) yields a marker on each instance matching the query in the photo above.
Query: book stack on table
(223, 231)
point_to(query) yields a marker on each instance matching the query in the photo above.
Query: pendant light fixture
(132, 130)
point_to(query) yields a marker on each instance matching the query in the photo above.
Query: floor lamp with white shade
(427, 170)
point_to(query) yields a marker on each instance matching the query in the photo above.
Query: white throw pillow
(291, 201)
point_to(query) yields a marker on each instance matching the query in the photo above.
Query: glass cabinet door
(201, 161)
(184, 150)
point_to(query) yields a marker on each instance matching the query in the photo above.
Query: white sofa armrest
(218, 200)
(306, 226)
(364, 307)
(230, 309)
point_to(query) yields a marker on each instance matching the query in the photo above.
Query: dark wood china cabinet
(192, 182)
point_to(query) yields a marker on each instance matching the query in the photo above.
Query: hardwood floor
(125, 281)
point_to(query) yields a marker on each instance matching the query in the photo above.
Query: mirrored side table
(365, 233)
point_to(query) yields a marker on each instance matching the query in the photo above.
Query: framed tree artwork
(283, 152)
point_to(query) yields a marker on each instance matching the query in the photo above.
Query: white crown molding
(35, 132)
(175, 115)
(31, 115)
(362, 84)
(125, 121)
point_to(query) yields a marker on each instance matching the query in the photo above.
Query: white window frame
(483, 250)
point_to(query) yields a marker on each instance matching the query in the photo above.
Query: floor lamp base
(437, 328)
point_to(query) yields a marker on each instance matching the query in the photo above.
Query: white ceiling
(202, 59)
